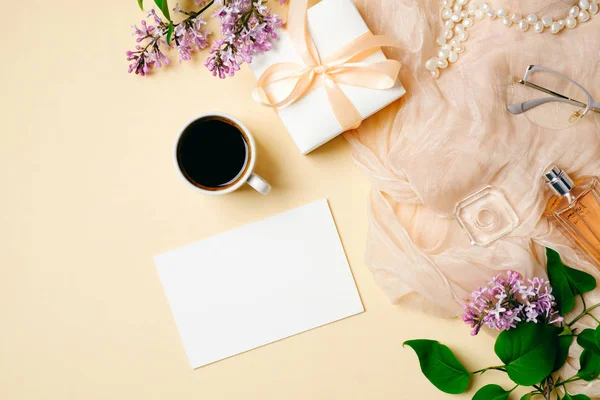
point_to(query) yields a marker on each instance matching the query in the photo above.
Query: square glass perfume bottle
(486, 216)
(575, 210)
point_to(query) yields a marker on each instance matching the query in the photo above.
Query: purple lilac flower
(503, 303)
(248, 28)
(150, 56)
(189, 36)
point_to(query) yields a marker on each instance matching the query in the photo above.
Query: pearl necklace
(459, 18)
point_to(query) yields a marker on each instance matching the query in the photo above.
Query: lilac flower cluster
(503, 303)
(248, 28)
(187, 36)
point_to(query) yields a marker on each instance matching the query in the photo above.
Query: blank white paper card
(258, 284)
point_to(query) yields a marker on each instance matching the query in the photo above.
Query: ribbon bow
(344, 67)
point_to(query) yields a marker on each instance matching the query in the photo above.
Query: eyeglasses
(567, 104)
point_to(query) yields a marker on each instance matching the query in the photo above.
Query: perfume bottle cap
(558, 181)
(486, 216)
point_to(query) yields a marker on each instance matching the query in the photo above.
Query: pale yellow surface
(90, 194)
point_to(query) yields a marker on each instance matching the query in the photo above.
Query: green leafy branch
(531, 352)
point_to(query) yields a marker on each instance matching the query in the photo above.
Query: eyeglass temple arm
(525, 106)
(528, 105)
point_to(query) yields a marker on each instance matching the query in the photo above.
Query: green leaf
(587, 340)
(581, 282)
(528, 352)
(576, 397)
(563, 343)
(590, 365)
(141, 4)
(529, 396)
(164, 8)
(567, 282)
(560, 284)
(170, 33)
(491, 392)
(440, 366)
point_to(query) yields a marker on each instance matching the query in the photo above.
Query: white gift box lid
(311, 121)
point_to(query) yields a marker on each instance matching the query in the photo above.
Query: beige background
(90, 194)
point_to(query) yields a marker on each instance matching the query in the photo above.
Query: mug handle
(259, 184)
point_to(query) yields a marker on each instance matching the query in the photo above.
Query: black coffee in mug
(213, 153)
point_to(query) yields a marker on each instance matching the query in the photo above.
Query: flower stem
(210, 3)
(191, 15)
(594, 317)
(481, 371)
(572, 379)
(583, 314)
(150, 43)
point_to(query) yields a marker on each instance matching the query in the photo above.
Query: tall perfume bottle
(575, 209)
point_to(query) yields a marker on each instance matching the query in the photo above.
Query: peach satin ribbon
(344, 67)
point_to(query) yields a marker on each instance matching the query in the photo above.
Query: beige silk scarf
(449, 137)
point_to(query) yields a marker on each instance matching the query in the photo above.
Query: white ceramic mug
(248, 176)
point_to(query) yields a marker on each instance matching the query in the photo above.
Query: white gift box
(311, 121)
